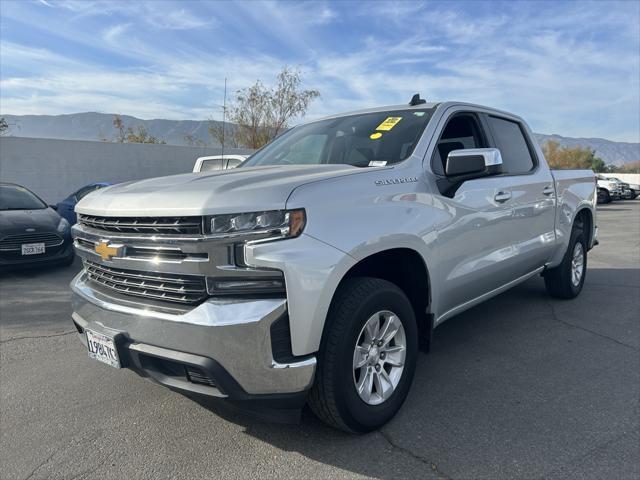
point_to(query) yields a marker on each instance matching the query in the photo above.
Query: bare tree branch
(260, 113)
(137, 134)
(4, 126)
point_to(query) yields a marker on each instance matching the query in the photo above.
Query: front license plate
(32, 248)
(102, 348)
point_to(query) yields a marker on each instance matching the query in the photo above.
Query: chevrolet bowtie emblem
(107, 251)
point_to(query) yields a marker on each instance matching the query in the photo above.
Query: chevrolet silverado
(316, 270)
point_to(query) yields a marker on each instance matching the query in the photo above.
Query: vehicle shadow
(44, 270)
(614, 209)
(513, 387)
(36, 299)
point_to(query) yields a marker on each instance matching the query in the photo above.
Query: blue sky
(571, 68)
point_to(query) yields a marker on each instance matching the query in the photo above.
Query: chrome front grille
(149, 225)
(14, 242)
(184, 289)
(149, 252)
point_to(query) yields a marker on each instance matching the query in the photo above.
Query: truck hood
(243, 189)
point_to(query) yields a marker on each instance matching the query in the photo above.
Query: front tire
(603, 196)
(566, 280)
(367, 358)
(68, 261)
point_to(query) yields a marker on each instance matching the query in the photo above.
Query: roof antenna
(416, 100)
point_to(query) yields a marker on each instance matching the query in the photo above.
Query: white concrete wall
(625, 177)
(55, 168)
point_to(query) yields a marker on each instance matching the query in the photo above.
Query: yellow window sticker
(375, 136)
(389, 123)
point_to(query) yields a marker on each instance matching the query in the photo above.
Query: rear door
(532, 191)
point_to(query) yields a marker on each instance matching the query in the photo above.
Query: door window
(510, 139)
(462, 131)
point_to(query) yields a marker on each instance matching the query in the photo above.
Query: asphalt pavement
(520, 387)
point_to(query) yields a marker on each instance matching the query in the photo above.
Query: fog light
(245, 286)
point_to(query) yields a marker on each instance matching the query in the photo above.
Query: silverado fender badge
(393, 181)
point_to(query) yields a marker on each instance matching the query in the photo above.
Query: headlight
(63, 225)
(279, 223)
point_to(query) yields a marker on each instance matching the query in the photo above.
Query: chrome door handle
(502, 197)
(548, 191)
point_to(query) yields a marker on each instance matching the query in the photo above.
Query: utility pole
(224, 113)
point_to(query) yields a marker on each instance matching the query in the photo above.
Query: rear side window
(510, 139)
(209, 165)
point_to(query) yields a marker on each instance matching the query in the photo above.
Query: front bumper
(221, 348)
(53, 255)
(616, 194)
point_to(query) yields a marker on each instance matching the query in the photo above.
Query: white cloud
(325, 15)
(180, 19)
(161, 15)
(111, 34)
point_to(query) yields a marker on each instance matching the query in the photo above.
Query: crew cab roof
(423, 106)
(386, 108)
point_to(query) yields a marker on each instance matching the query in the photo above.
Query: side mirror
(473, 162)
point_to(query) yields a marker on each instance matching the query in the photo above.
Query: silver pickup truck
(315, 271)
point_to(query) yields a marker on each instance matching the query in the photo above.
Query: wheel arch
(406, 268)
(585, 215)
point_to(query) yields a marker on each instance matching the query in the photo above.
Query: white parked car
(608, 189)
(218, 162)
(629, 190)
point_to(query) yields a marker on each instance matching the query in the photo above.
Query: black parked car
(31, 232)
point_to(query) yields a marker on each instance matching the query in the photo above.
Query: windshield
(366, 140)
(14, 197)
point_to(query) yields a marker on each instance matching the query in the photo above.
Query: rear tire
(566, 280)
(362, 399)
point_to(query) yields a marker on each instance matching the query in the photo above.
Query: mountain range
(99, 126)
